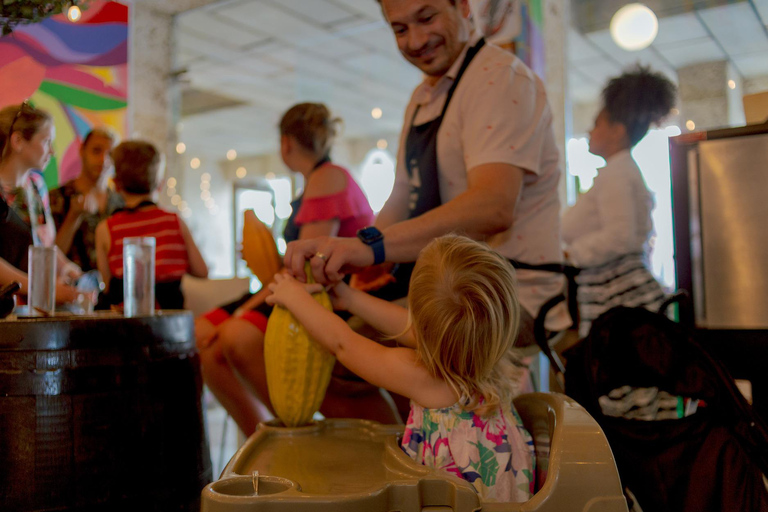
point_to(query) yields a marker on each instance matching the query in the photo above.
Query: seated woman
(231, 339)
(26, 145)
(607, 231)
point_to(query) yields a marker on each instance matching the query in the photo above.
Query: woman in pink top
(230, 339)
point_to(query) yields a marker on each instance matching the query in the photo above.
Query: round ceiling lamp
(634, 27)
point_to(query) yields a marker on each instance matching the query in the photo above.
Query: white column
(556, 25)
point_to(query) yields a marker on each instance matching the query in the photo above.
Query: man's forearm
(484, 209)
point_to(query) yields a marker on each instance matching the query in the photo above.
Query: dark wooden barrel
(101, 414)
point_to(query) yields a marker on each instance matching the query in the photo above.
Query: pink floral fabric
(494, 453)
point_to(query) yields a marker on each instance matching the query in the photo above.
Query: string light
(231, 154)
(181, 148)
(194, 163)
(74, 14)
(376, 113)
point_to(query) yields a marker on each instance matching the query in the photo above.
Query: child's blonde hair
(464, 312)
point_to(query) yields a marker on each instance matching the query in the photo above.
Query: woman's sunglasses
(24, 104)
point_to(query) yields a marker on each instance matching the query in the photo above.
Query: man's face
(430, 33)
(95, 156)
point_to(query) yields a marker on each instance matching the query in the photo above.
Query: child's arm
(388, 318)
(103, 241)
(395, 369)
(197, 266)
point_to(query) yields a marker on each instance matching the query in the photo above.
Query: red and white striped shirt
(171, 258)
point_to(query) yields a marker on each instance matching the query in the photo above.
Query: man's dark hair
(101, 132)
(637, 99)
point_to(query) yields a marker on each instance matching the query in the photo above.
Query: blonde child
(455, 362)
(138, 176)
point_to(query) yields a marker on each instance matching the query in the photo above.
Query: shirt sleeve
(508, 120)
(616, 206)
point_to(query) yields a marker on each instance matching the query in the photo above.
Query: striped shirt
(171, 259)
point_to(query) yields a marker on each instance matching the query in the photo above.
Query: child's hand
(286, 289)
(341, 296)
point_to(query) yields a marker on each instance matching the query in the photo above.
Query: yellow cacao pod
(298, 368)
(259, 249)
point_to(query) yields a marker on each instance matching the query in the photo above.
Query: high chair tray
(350, 465)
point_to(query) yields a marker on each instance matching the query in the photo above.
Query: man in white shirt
(477, 156)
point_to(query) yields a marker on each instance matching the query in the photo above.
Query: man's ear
(464, 7)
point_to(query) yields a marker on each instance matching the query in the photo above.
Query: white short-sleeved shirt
(613, 218)
(499, 114)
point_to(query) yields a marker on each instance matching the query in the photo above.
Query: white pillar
(556, 15)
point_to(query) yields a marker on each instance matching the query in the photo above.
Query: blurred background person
(26, 139)
(81, 203)
(231, 339)
(606, 233)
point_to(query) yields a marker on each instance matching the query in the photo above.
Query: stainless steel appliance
(720, 198)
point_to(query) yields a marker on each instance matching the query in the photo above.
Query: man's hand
(65, 293)
(77, 207)
(330, 258)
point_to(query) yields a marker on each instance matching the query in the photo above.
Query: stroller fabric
(712, 460)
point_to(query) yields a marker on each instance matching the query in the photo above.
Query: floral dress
(494, 453)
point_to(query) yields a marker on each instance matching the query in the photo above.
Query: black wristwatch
(373, 238)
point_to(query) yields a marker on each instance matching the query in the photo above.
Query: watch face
(369, 234)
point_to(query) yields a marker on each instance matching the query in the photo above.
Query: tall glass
(42, 280)
(139, 276)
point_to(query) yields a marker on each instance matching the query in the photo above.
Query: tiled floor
(224, 438)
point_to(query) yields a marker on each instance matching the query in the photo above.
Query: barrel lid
(96, 330)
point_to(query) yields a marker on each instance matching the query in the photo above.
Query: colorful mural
(514, 24)
(76, 71)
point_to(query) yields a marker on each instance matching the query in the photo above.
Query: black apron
(424, 183)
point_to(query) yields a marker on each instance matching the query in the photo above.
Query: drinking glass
(139, 276)
(42, 280)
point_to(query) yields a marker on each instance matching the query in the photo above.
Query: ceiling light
(231, 154)
(731, 84)
(241, 172)
(74, 14)
(690, 125)
(634, 27)
(194, 163)
(376, 113)
(181, 148)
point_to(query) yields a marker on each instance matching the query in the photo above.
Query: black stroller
(713, 460)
